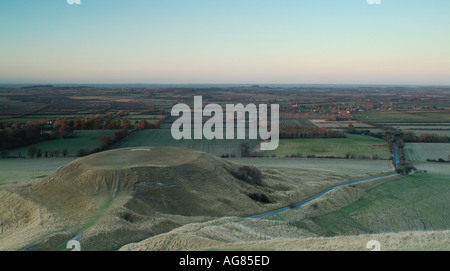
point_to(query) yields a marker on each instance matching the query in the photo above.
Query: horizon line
(224, 84)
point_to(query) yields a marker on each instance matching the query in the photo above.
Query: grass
(445, 116)
(437, 132)
(413, 203)
(424, 151)
(340, 124)
(335, 166)
(337, 147)
(98, 215)
(85, 139)
(401, 117)
(148, 117)
(404, 241)
(163, 137)
(16, 170)
(432, 167)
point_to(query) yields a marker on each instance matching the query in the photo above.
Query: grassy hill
(116, 197)
(237, 234)
(407, 213)
(413, 203)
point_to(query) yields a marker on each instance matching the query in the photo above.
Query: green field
(445, 116)
(402, 117)
(338, 147)
(335, 166)
(399, 205)
(16, 170)
(436, 132)
(163, 137)
(424, 151)
(432, 167)
(148, 117)
(85, 139)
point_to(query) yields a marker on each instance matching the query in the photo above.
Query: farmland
(18, 170)
(83, 139)
(313, 155)
(335, 166)
(351, 146)
(402, 117)
(437, 132)
(432, 168)
(163, 137)
(340, 124)
(424, 151)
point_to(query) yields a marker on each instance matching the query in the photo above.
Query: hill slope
(233, 233)
(113, 198)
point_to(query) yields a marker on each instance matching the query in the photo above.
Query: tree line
(410, 136)
(19, 135)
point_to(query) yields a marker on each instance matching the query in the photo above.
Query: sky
(225, 41)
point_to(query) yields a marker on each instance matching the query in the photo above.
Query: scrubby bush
(31, 152)
(4, 153)
(83, 152)
(259, 197)
(248, 174)
(408, 169)
(292, 205)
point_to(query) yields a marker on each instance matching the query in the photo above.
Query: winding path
(274, 212)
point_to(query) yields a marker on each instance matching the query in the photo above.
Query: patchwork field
(424, 151)
(352, 145)
(141, 194)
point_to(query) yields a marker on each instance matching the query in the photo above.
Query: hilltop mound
(166, 180)
(109, 199)
(131, 194)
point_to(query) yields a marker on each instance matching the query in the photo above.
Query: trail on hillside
(274, 212)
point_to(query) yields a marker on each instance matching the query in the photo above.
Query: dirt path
(99, 214)
(274, 212)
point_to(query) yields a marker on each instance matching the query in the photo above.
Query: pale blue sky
(225, 41)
